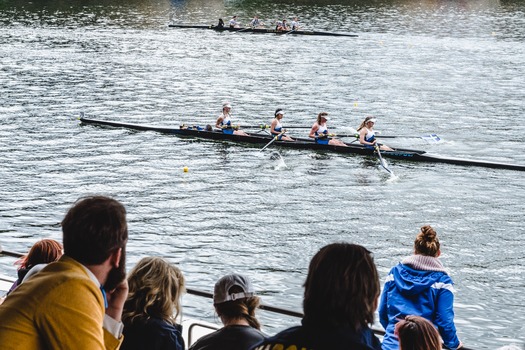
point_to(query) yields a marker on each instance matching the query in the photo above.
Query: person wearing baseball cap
(235, 302)
(276, 129)
(319, 132)
(224, 121)
(367, 135)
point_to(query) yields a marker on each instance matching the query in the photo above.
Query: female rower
(367, 135)
(319, 132)
(224, 121)
(276, 129)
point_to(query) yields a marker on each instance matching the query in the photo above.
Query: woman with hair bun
(419, 285)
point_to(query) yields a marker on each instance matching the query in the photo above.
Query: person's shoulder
(293, 336)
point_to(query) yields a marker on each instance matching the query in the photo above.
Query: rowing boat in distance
(261, 30)
(303, 143)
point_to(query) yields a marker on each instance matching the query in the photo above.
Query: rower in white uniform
(276, 128)
(224, 121)
(367, 135)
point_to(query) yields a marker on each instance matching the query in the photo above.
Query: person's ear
(115, 257)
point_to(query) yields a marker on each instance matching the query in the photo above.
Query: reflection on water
(453, 68)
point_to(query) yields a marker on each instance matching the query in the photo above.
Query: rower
(276, 129)
(282, 26)
(224, 121)
(255, 23)
(367, 135)
(295, 24)
(234, 23)
(319, 132)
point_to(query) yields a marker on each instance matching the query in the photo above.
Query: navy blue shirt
(152, 334)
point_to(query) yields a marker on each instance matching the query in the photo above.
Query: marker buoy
(185, 169)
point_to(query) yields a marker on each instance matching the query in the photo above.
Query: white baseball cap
(222, 294)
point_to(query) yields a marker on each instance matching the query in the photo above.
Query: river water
(454, 68)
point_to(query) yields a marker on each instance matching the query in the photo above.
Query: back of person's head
(417, 333)
(427, 242)
(42, 252)
(234, 298)
(155, 290)
(342, 287)
(93, 229)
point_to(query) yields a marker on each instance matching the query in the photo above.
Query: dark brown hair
(93, 229)
(42, 252)
(427, 242)
(417, 333)
(342, 287)
(240, 308)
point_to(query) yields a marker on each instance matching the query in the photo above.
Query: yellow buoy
(185, 169)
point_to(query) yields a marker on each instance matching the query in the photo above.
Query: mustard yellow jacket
(58, 308)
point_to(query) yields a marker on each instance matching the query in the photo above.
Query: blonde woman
(319, 132)
(367, 134)
(419, 285)
(153, 304)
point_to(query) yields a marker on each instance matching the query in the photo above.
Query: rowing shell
(261, 30)
(396, 153)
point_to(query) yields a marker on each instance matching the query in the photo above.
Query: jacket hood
(410, 281)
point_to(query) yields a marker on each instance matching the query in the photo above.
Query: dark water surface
(455, 68)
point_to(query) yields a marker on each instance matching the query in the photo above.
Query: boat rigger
(301, 143)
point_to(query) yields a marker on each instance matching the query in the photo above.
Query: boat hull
(261, 30)
(301, 143)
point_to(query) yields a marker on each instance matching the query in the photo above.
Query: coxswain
(319, 132)
(367, 135)
(276, 128)
(224, 121)
(234, 23)
(220, 25)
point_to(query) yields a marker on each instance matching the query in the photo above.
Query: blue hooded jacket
(424, 293)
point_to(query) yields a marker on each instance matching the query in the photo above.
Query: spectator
(417, 333)
(153, 304)
(420, 286)
(40, 254)
(77, 301)
(340, 297)
(235, 303)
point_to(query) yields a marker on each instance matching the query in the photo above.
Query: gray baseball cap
(221, 293)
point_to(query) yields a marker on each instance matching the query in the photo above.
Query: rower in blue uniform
(276, 128)
(367, 135)
(319, 132)
(224, 121)
(256, 23)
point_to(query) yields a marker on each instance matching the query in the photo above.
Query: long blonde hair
(427, 242)
(155, 290)
(363, 123)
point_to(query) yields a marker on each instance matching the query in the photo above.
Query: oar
(381, 160)
(274, 139)
(291, 31)
(265, 126)
(242, 30)
(432, 137)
